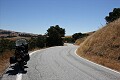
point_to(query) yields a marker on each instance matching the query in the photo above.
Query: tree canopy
(78, 35)
(54, 34)
(113, 15)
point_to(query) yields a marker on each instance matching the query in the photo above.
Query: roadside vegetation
(53, 37)
(68, 39)
(80, 37)
(103, 46)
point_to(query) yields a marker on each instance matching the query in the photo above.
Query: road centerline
(19, 75)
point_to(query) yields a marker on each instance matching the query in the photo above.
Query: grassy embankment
(103, 46)
(80, 40)
(4, 57)
(4, 60)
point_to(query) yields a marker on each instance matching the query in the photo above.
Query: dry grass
(113, 64)
(15, 38)
(103, 46)
(81, 40)
(4, 60)
(68, 36)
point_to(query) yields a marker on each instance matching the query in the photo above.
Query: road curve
(61, 63)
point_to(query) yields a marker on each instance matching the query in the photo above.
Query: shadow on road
(15, 69)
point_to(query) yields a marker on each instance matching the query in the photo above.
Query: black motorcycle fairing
(21, 55)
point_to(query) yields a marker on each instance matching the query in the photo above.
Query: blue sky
(36, 16)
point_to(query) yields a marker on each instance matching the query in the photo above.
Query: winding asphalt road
(60, 63)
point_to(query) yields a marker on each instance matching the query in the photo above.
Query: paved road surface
(60, 63)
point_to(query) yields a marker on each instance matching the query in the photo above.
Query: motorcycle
(21, 56)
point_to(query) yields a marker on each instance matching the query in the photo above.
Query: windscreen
(20, 42)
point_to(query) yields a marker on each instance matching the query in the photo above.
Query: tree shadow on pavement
(15, 69)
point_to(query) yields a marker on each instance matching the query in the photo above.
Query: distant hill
(9, 34)
(103, 46)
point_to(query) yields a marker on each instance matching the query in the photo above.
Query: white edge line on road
(96, 63)
(19, 75)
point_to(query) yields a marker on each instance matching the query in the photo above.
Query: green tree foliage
(11, 45)
(54, 34)
(78, 35)
(41, 40)
(6, 44)
(113, 15)
(37, 42)
(32, 43)
(56, 30)
(68, 40)
(24, 35)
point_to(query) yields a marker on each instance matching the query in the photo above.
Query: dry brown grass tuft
(15, 38)
(4, 60)
(81, 40)
(103, 46)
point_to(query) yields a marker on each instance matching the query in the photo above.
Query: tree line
(54, 36)
(115, 14)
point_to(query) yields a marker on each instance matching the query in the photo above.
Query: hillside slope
(80, 40)
(103, 46)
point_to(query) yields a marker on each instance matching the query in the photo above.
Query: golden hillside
(103, 46)
(80, 40)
